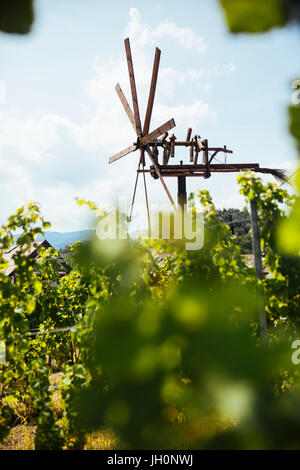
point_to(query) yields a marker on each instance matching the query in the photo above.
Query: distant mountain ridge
(60, 239)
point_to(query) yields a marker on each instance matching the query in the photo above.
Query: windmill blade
(152, 91)
(158, 132)
(133, 89)
(121, 154)
(125, 105)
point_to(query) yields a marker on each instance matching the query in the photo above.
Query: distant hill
(60, 239)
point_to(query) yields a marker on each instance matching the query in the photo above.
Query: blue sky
(61, 118)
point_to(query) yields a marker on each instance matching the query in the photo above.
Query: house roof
(31, 252)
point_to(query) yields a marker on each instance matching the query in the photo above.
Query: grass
(22, 433)
(21, 437)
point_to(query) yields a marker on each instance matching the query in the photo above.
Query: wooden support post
(181, 195)
(142, 159)
(182, 200)
(155, 152)
(206, 159)
(172, 140)
(165, 154)
(258, 267)
(196, 151)
(192, 153)
(198, 148)
(188, 135)
(256, 240)
(205, 152)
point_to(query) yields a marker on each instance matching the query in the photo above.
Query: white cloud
(237, 201)
(142, 33)
(139, 32)
(185, 36)
(185, 115)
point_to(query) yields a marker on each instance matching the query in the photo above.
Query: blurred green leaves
(164, 353)
(258, 16)
(16, 16)
(161, 372)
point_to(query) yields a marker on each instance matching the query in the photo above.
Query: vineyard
(159, 355)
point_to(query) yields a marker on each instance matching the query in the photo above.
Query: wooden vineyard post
(205, 159)
(181, 195)
(258, 268)
(181, 200)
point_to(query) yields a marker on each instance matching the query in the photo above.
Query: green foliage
(271, 201)
(257, 16)
(48, 434)
(289, 240)
(288, 234)
(73, 379)
(175, 344)
(239, 226)
(281, 287)
(18, 300)
(67, 254)
(295, 124)
(164, 346)
(170, 345)
(37, 299)
(60, 304)
(16, 16)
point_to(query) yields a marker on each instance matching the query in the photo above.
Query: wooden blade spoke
(198, 143)
(126, 106)
(121, 154)
(133, 89)
(160, 177)
(152, 91)
(158, 132)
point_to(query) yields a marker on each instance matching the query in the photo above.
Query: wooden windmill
(202, 157)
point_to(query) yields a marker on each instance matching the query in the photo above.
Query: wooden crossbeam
(157, 132)
(192, 143)
(215, 166)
